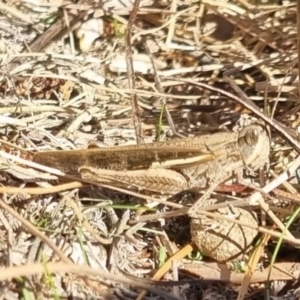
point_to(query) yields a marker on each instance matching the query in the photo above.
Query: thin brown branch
(131, 75)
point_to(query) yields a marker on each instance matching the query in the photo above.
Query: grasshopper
(167, 167)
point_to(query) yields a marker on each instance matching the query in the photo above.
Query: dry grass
(194, 67)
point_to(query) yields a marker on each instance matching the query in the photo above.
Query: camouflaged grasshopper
(167, 167)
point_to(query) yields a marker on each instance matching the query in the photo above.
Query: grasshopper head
(254, 146)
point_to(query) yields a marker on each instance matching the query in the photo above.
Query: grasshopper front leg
(162, 181)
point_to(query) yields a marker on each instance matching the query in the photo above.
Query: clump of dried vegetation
(194, 67)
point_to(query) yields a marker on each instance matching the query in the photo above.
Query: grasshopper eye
(251, 137)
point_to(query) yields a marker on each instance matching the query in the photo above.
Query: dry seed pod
(224, 240)
(37, 87)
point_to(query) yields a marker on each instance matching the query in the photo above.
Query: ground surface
(67, 87)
